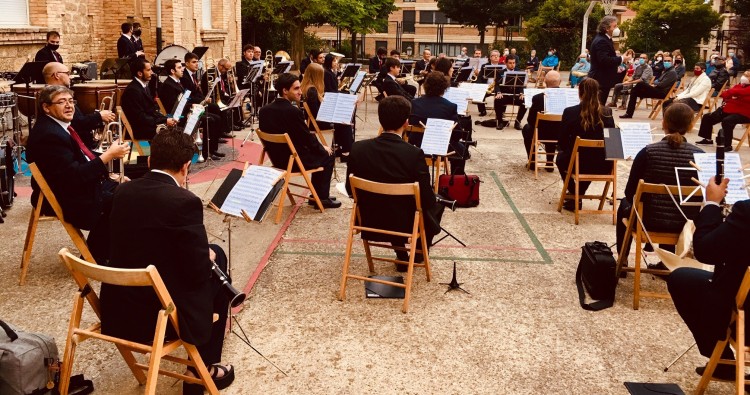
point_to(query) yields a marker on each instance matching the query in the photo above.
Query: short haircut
(382, 51)
(395, 52)
(224, 62)
(246, 47)
(435, 84)
(391, 62)
(170, 150)
(126, 27)
(190, 56)
(49, 93)
(138, 66)
(702, 65)
(393, 111)
(136, 25)
(285, 81)
(494, 51)
(605, 23)
(315, 53)
(52, 33)
(171, 64)
(443, 65)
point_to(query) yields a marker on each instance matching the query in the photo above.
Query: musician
(389, 84)
(58, 74)
(226, 93)
(243, 66)
(280, 117)
(257, 54)
(433, 105)
(420, 67)
(125, 45)
(198, 88)
(331, 67)
(494, 61)
(547, 130)
(49, 52)
(389, 159)
(76, 176)
(378, 61)
(174, 240)
(505, 95)
(312, 88)
(703, 299)
(170, 91)
(138, 105)
(136, 37)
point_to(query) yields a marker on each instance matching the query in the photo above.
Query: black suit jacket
(303, 64)
(393, 88)
(138, 44)
(604, 62)
(169, 91)
(195, 94)
(174, 240)
(281, 117)
(243, 68)
(405, 164)
(592, 159)
(141, 111)
(75, 181)
(420, 65)
(431, 107)
(720, 242)
(375, 64)
(47, 55)
(84, 125)
(331, 83)
(125, 47)
(547, 130)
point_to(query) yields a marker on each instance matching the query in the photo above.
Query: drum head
(170, 52)
(8, 99)
(7, 184)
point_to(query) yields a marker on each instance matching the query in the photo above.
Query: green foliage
(740, 7)
(482, 14)
(558, 24)
(670, 24)
(362, 16)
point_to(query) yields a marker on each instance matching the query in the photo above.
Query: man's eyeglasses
(63, 72)
(71, 102)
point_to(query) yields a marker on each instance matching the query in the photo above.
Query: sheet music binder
(351, 70)
(613, 144)
(200, 51)
(228, 185)
(385, 291)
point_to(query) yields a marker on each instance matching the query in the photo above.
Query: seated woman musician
(313, 87)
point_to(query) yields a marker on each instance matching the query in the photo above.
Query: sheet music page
(327, 108)
(458, 96)
(192, 121)
(250, 191)
(528, 94)
(634, 136)
(181, 105)
(344, 109)
(555, 100)
(357, 82)
(476, 90)
(437, 134)
(736, 190)
(571, 97)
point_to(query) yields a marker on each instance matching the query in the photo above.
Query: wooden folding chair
(637, 234)
(715, 100)
(128, 135)
(417, 232)
(162, 110)
(45, 193)
(745, 137)
(737, 342)
(294, 163)
(657, 103)
(577, 177)
(638, 104)
(439, 164)
(161, 347)
(706, 101)
(311, 120)
(537, 145)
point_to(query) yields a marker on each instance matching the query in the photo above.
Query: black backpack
(596, 273)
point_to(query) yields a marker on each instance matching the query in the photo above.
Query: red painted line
(22, 191)
(271, 247)
(470, 247)
(249, 153)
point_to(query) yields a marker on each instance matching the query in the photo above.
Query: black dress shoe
(216, 157)
(482, 113)
(312, 202)
(705, 142)
(327, 203)
(626, 116)
(227, 135)
(517, 125)
(222, 141)
(219, 154)
(569, 205)
(721, 372)
(236, 128)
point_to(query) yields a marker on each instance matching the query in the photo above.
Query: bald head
(552, 79)
(56, 74)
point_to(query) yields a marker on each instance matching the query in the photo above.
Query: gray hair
(494, 51)
(49, 92)
(605, 23)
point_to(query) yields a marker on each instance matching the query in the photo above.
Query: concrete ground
(519, 331)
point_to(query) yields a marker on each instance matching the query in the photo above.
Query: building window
(434, 18)
(409, 21)
(14, 13)
(207, 14)
(381, 44)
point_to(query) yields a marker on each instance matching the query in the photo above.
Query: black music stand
(31, 72)
(347, 76)
(250, 79)
(200, 51)
(492, 71)
(463, 74)
(513, 82)
(118, 66)
(407, 66)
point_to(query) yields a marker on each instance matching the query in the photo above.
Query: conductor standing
(604, 62)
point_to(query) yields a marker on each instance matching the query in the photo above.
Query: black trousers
(321, 180)
(98, 238)
(643, 90)
(623, 212)
(528, 137)
(689, 101)
(500, 105)
(604, 93)
(410, 89)
(213, 129)
(210, 352)
(728, 122)
(437, 213)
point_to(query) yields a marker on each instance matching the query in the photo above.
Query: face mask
(641, 61)
(744, 80)
(137, 33)
(616, 32)
(678, 61)
(505, 53)
(667, 65)
(697, 72)
(53, 47)
(582, 60)
(731, 54)
(658, 58)
(549, 53)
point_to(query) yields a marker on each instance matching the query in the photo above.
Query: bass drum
(170, 52)
(7, 191)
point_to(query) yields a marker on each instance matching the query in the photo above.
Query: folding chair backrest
(411, 129)
(129, 130)
(541, 117)
(162, 110)
(397, 193)
(311, 120)
(742, 292)
(647, 194)
(45, 190)
(283, 150)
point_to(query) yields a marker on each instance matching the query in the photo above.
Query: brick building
(90, 28)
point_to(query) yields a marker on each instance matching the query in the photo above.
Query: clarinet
(719, 161)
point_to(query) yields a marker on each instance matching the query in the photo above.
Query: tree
(482, 14)
(361, 17)
(671, 24)
(558, 24)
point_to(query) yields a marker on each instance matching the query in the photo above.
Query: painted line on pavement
(440, 247)
(432, 257)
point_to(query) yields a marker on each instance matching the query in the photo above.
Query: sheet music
(476, 90)
(458, 96)
(528, 94)
(736, 190)
(238, 98)
(337, 108)
(193, 118)
(476, 63)
(437, 134)
(250, 191)
(634, 136)
(357, 82)
(258, 73)
(515, 78)
(571, 97)
(181, 105)
(558, 99)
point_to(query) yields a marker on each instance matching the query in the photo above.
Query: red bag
(464, 189)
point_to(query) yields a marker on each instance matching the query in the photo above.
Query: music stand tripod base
(454, 284)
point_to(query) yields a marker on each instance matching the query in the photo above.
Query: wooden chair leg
(575, 200)
(740, 351)
(284, 191)
(70, 344)
(614, 193)
(347, 257)
(637, 272)
(130, 360)
(29, 242)
(603, 197)
(156, 353)
(368, 256)
(409, 274)
(200, 366)
(425, 253)
(710, 367)
(308, 181)
(564, 190)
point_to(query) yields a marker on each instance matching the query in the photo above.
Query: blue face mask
(667, 64)
(641, 61)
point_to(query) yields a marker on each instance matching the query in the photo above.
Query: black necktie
(132, 39)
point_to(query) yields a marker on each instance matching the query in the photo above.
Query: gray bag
(28, 362)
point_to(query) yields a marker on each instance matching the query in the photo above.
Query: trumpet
(112, 132)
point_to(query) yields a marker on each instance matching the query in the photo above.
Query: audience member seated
(587, 121)
(703, 299)
(547, 130)
(312, 89)
(281, 117)
(695, 93)
(171, 237)
(139, 106)
(735, 111)
(659, 90)
(719, 76)
(533, 63)
(655, 164)
(711, 63)
(679, 67)
(733, 63)
(579, 70)
(550, 62)
(657, 64)
(433, 105)
(389, 159)
(642, 73)
(76, 176)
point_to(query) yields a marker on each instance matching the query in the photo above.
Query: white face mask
(616, 32)
(744, 80)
